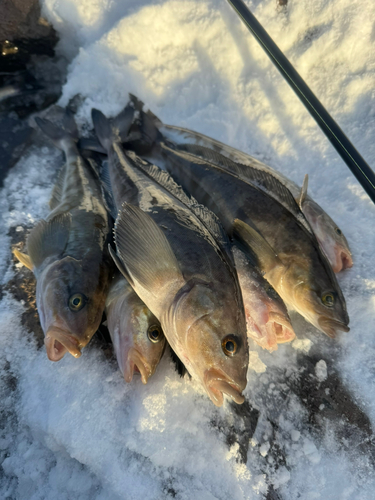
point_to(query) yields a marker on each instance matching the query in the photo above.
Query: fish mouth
(281, 327)
(331, 326)
(217, 385)
(136, 363)
(344, 260)
(58, 342)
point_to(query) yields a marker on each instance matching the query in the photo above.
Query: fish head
(212, 331)
(70, 299)
(136, 334)
(329, 236)
(318, 297)
(267, 318)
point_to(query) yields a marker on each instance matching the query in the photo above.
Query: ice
(74, 429)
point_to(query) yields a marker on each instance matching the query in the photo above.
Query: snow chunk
(311, 451)
(264, 448)
(321, 370)
(303, 345)
(256, 363)
(295, 435)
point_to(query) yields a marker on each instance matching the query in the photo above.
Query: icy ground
(74, 429)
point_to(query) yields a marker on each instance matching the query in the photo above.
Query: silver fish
(68, 251)
(136, 334)
(329, 235)
(177, 258)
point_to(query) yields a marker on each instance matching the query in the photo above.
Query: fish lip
(135, 359)
(287, 333)
(343, 261)
(346, 260)
(65, 343)
(330, 326)
(217, 384)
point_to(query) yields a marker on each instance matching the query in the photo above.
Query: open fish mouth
(217, 385)
(282, 328)
(136, 363)
(331, 326)
(58, 342)
(343, 260)
(346, 260)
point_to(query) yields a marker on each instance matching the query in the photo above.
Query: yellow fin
(24, 259)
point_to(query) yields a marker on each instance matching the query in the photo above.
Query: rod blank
(335, 135)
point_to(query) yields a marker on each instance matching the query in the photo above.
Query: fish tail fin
(60, 136)
(145, 130)
(124, 120)
(103, 128)
(90, 144)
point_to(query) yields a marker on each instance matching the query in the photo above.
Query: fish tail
(144, 132)
(103, 129)
(63, 136)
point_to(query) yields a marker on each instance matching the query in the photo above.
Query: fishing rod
(335, 135)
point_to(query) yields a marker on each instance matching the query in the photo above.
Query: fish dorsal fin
(259, 250)
(261, 179)
(58, 189)
(206, 217)
(144, 250)
(303, 194)
(48, 238)
(24, 259)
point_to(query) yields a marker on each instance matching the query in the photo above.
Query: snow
(321, 370)
(74, 429)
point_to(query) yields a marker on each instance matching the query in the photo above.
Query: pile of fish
(209, 245)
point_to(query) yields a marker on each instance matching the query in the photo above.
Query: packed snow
(74, 429)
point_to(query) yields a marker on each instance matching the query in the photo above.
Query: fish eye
(338, 231)
(328, 299)
(155, 333)
(229, 345)
(76, 302)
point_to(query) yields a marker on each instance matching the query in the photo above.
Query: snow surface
(74, 429)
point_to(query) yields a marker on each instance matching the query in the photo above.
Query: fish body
(298, 271)
(329, 235)
(136, 333)
(184, 274)
(68, 252)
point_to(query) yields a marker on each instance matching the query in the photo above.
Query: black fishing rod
(336, 136)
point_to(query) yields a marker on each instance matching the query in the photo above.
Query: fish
(136, 334)
(67, 251)
(267, 319)
(177, 257)
(329, 235)
(279, 238)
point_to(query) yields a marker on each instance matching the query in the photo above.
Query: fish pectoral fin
(120, 265)
(24, 259)
(259, 249)
(303, 194)
(48, 238)
(144, 249)
(67, 133)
